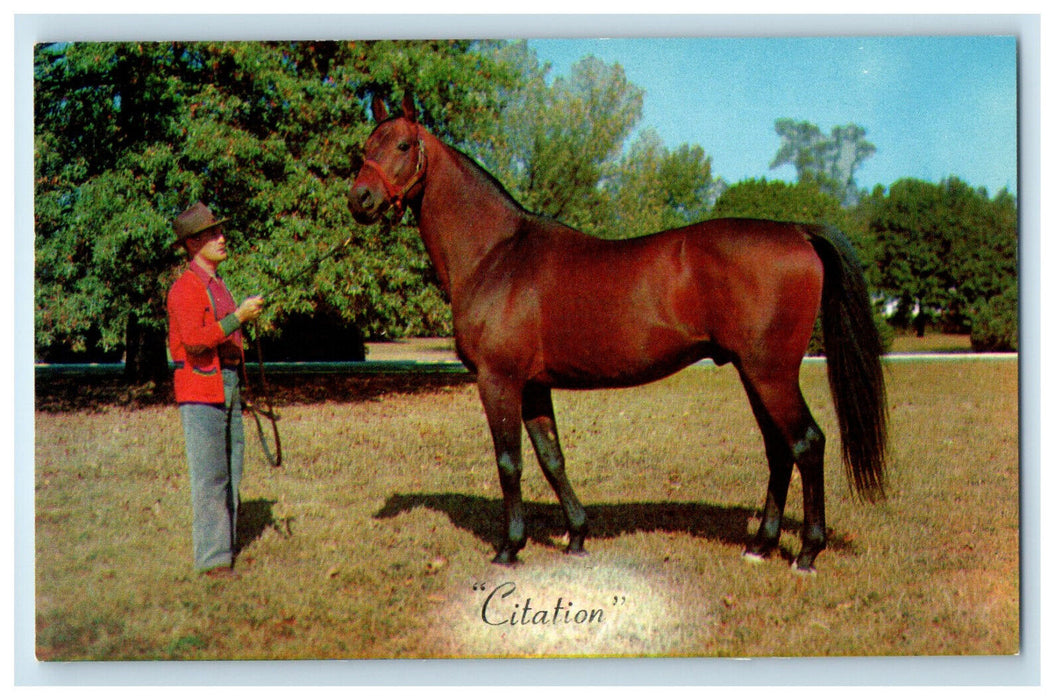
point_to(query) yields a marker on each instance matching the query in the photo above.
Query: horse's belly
(591, 357)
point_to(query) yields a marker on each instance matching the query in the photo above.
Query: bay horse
(538, 305)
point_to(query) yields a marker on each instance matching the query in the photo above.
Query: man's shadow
(545, 523)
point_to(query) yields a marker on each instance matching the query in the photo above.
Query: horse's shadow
(255, 517)
(545, 523)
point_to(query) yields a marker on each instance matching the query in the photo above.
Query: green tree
(559, 148)
(830, 161)
(942, 248)
(105, 172)
(773, 199)
(554, 142)
(129, 134)
(994, 322)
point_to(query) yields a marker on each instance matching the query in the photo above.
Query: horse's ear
(379, 109)
(409, 110)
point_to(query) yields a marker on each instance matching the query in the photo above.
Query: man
(207, 347)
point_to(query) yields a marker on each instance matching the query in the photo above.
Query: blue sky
(934, 106)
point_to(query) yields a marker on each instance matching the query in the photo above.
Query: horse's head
(394, 163)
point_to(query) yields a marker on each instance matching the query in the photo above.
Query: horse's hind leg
(501, 401)
(780, 463)
(542, 427)
(810, 451)
(785, 420)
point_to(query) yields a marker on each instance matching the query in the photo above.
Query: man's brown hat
(194, 221)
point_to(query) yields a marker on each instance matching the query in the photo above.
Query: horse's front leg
(501, 401)
(542, 427)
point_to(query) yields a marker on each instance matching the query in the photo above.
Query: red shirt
(204, 335)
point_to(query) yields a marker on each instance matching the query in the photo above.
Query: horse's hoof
(801, 570)
(755, 558)
(576, 552)
(505, 559)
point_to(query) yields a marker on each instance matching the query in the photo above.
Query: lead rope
(274, 455)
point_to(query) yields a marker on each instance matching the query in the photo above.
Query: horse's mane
(473, 166)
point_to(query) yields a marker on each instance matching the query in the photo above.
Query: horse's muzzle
(365, 205)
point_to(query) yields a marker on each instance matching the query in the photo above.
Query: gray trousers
(213, 438)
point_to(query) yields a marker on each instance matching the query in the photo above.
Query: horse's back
(735, 242)
(718, 264)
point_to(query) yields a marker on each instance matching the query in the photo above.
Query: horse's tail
(853, 361)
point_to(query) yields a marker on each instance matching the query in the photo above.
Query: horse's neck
(462, 215)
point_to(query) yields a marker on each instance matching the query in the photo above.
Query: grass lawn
(374, 538)
(930, 343)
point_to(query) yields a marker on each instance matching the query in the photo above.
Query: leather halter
(396, 195)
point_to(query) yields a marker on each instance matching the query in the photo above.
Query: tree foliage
(802, 201)
(830, 161)
(780, 201)
(994, 322)
(566, 148)
(942, 248)
(555, 141)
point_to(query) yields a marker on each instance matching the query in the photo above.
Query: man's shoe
(221, 572)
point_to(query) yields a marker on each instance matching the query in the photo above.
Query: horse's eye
(403, 146)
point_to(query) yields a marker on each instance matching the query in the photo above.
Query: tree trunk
(145, 354)
(920, 324)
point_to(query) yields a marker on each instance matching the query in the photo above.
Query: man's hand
(250, 309)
